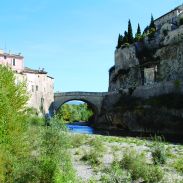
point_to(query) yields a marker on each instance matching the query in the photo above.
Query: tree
(152, 28)
(152, 25)
(13, 99)
(130, 33)
(120, 41)
(138, 34)
(125, 38)
(146, 30)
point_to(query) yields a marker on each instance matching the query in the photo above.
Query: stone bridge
(93, 99)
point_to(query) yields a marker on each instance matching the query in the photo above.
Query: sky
(73, 40)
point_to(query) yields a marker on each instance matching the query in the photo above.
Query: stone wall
(143, 113)
(40, 88)
(163, 56)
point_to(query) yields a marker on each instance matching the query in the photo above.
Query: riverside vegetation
(33, 153)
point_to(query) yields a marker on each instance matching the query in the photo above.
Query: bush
(136, 165)
(158, 151)
(178, 164)
(92, 157)
(97, 144)
(115, 174)
(153, 174)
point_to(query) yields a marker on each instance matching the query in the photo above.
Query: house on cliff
(171, 18)
(154, 62)
(40, 85)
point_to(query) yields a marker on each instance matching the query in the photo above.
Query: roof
(177, 8)
(34, 71)
(11, 55)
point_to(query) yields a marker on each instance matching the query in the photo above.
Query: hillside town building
(40, 85)
(172, 18)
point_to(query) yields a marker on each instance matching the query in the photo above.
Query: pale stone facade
(16, 62)
(41, 89)
(40, 86)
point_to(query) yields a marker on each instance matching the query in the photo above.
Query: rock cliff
(146, 86)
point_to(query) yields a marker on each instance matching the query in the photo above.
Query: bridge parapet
(100, 94)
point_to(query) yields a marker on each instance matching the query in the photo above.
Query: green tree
(130, 33)
(71, 112)
(152, 25)
(138, 34)
(146, 30)
(13, 99)
(125, 38)
(120, 41)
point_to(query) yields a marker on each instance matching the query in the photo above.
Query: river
(80, 127)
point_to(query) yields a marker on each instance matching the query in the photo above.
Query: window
(13, 61)
(32, 88)
(5, 57)
(36, 87)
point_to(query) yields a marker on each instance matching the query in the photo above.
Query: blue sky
(74, 40)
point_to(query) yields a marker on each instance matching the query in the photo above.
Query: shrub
(77, 140)
(115, 174)
(158, 151)
(154, 174)
(92, 157)
(178, 164)
(136, 165)
(97, 144)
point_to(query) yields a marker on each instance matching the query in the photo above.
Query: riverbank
(97, 158)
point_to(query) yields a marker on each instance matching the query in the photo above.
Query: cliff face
(157, 60)
(170, 62)
(146, 85)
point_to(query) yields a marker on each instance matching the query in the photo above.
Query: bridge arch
(93, 99)
(90, 106)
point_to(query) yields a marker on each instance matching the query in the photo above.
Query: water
(75, 128)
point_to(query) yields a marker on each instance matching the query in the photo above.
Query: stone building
(40, 85)
(171, 18)
(16, 62)
(153, 60)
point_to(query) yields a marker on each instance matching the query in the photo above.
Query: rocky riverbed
(111, 159)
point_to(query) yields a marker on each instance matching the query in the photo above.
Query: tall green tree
(152, 24)
(130, 33)
(152, 28)
(125, 38)
(120, 41)
(138, 34)
(13, 99)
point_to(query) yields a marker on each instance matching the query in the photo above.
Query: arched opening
(77, 112)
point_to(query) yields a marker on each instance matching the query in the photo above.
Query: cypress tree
(138, 34)
(152, 25)
(120, 41)
(130, 33)
(146, 30)
(125, 38)
(138, 30)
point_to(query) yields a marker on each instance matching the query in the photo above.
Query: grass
(178, 164)
(159, 155)
(96, 152)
